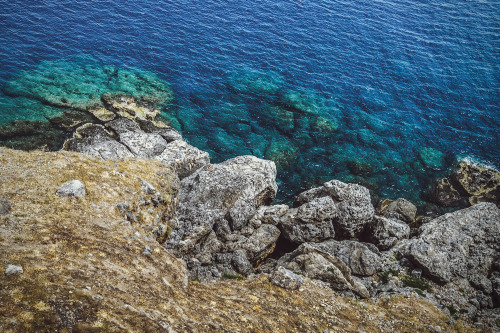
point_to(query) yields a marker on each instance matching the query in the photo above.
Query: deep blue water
(396, 76)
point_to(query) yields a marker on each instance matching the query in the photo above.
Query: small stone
(147, 251)
(5, 207)
(284, 278)
(147, 187)
(13, 269)
(73, 188)
(417, 272)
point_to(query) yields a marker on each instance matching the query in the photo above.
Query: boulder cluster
(225, 224)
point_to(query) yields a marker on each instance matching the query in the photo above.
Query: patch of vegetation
(453, 311)
(385, 276)
(331, 269)
(232, 276)
(416, 283)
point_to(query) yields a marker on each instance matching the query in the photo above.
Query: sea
(384, 93)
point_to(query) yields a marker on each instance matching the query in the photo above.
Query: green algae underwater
(309, 137)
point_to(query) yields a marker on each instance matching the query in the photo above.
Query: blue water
(396, 76)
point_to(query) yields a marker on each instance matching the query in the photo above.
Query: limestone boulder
(311, 222)
(462, 244)
(353, 206)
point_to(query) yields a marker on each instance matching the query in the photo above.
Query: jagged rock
(459, 244)
(94, 140)
(311, 222)
(183, 158)
(353, 206)
(284, 278)
(481, 183)
(72, 188)
(5, 207)
(143, 145)
(13, 269)
(361, 258)
(320, 265)
(386, 232)
(268, 215)
(216, 204)
(444, 193)
(399, 209)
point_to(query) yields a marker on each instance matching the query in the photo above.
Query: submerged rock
(431, 158)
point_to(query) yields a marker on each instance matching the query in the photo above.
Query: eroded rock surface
(216, 204)
(461, 244)
(353, 206)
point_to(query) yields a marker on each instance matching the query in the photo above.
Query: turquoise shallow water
(384, 93)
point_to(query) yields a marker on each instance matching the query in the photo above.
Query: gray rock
(320, 265)
(461, 244)
(143, 145)
(268, 215)
(13, 269)
(5, 207)
(353, 206)
(123, 125)
(95, 141)
(72, 188)
(386, 232)
(183, 158)
(400, 209)
(284, 278)
(147, 251)
(217, 203)
(311, 222)
(147, 187)
(361, 258)
(241, 263)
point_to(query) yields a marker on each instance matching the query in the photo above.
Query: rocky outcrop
(468, 183)
(284, 278)
(216, 205)
(462, 244)
(132, 132)
(352, 206)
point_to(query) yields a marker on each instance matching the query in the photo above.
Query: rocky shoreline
(219, 219)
